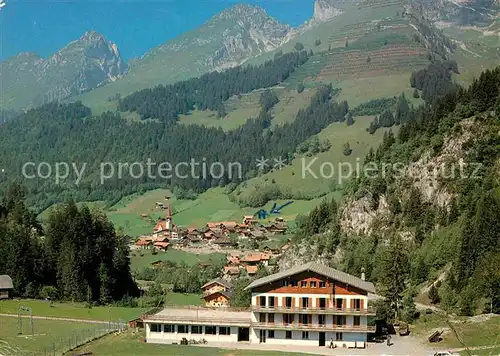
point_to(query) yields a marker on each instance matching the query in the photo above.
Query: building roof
(252, 269)
(203, 316)
(6, 282)
(161, 244)
(222, 241)
(226, 293)
(144, 242)
(220, 281)
(319, 269)
(231, 270)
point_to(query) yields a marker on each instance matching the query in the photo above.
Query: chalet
(258, 235)
(251, 270)
(276, 228)
(161, 245)
(222, 241)
(217, 293)
(249, 220)
(307, 305)
(233, 260)
(144, 243)
(231, 270)
(6, 286)
(255, 259)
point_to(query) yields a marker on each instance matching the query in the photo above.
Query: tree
(317, 42)
(416, 94)
(241, 298)
(300, 88)
(433, 294)
(368, 59)
(346, 44)
(408, 308)
(347, 149)
(393, 271)
(299, 47)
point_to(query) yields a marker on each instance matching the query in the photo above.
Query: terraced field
(398, 57)
(378, 4)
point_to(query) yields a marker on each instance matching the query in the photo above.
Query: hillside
(82, 65)
(429, 206)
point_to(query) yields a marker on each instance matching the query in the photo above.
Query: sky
(44, 26)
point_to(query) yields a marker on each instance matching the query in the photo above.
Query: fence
(63, 344)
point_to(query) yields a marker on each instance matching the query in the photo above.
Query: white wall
(350, 340)
(168, 338)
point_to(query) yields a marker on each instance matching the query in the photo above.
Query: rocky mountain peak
(325, 10)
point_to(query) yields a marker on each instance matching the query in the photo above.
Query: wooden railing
(313, 310)
(315, 327)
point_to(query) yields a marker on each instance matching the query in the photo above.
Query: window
(262, 301)
(285, 283)
(196, 329)
(322, 284)
(304, 318)
(357, 304)
(339, 336)
(262, 318)
(182, 329)
(270, 334)
(322, 303)
(339, 303)
(169, 328)
(155, 328)
(288, 302)
(270, 302)
(270, 318)
(305, 335)
(293, 283)
(288, 318)
(288, 334)
(341, 320)
(312, 284)
(303, 284)
(211, 330)
(357, 320)
(224, 330)
(305, 303)
(321, 319)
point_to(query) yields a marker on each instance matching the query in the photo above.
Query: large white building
(311, 305)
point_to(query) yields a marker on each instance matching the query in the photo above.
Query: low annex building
(308, 305)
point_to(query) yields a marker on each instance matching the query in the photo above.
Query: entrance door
(262, 336)
(243, 334)
(321, 339)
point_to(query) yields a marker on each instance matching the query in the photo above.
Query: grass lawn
(174, 299)
(48, 334)
(138, 261)
(69, 310)
(131, 345)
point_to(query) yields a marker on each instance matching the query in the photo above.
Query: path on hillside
(89, 321)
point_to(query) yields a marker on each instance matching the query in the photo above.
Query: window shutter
(317, 303)
(275, 302)
(310, 318)
(310, 303)
(352, 304)
(293, 302)
(283, 302)
(361, 304)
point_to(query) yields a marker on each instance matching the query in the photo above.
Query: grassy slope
(69, 310)
(131, 345)
(474, 333)
(338, 134)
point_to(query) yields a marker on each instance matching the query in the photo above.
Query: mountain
(82, 65)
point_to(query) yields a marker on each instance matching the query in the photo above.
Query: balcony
(315, 327)
(311, 310)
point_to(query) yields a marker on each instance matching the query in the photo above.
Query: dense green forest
(209, 91)
(67, 133)
(77, 256)
(460, 239)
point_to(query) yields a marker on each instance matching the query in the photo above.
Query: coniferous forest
(77, 256)
(66, 133)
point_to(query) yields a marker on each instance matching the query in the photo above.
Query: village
(220, 237)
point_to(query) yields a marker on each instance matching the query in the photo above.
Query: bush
(299, 47)
(300, 88)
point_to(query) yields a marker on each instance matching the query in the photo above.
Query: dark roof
(6, 282)
(226, 293)
(220, 281)
(319, 269)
